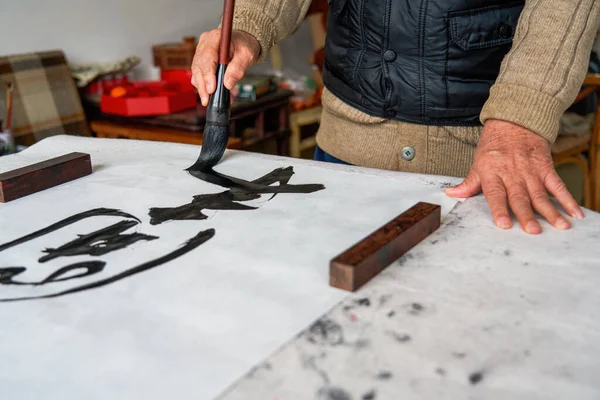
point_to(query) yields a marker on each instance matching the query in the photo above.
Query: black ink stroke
(112, 237)
(193, 211)
(191, 244)
(109, 212)
(7, 275)
(91, 268)
(239, 190)
(100, 242)
(261, 185)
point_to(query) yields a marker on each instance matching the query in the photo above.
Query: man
(469, 88)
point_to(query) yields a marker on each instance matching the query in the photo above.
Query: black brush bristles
(216, 130)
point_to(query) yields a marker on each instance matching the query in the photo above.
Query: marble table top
(472, 312)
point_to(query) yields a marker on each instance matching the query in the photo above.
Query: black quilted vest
(428, 62)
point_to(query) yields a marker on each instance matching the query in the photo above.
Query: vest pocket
(478, 41)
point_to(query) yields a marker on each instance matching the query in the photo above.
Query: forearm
(269, 21)
(542, 74)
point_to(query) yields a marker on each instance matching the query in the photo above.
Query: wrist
(258, 25)
(251, 41)
(536, 111)
(501, 133)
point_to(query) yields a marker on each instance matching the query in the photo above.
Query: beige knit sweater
(538, 81)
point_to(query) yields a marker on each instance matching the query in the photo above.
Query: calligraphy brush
(216, 130)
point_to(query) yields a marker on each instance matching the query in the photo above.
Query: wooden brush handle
(226, 26)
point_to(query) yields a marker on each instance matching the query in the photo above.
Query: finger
(495, 195)
(518, 198)
(242, 60)
(204, 65)
(470, 186)
(557, 187)
(542, 204)
(198, 82)
(206, 75)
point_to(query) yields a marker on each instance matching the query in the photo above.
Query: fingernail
(209, 87)
(228, 83)
(504, 223)
(532, 227)
(578, 214)
(204, 100)
(562, 223)
(455, 192)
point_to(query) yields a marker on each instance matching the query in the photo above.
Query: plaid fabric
(46, 101)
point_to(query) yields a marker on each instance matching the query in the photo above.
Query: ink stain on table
(506, 253)
(454, 220)
(384, 299)
(310, 363)
(384, 376)
(391, 314)
(440, 371)
(363, 302)
(405, 258)
(257, 369)
(439, 185)
(416, 309)
(361, 344)
(476, 377)
(400, 337)
(333, 393)
(325, 332)
(459, 355)
(370, 395)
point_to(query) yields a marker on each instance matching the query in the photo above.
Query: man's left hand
(513, 164)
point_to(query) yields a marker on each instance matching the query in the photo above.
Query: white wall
(108, 30)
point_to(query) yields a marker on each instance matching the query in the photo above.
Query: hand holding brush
(216, 130)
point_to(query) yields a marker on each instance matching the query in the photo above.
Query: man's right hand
(244, 51)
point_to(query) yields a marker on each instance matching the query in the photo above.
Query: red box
(148, 99)
(181, 76)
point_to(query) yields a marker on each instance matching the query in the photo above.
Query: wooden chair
(46, 100)
(583, 151)
(594, 81)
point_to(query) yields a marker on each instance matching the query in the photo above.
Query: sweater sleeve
(543, 72)
(269, 21)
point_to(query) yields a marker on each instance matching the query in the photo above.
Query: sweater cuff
(257, 24)
(525, 107)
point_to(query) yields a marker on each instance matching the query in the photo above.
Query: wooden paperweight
(34, 178)
(361, 262)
